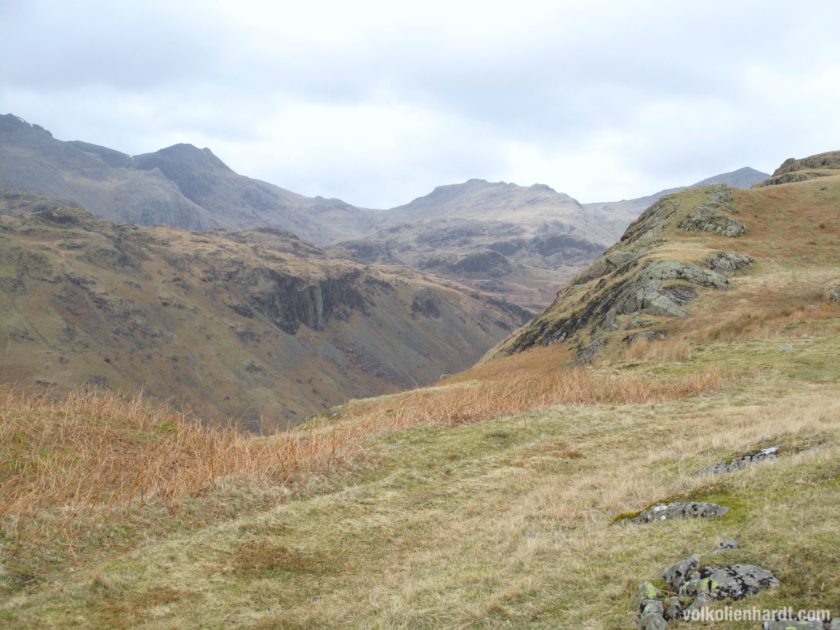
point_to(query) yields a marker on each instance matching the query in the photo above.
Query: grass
(488, 500)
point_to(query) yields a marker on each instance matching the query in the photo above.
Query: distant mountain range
(511, 242)
(181, 185)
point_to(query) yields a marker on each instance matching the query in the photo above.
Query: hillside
(181, 186)
(234, 324)
(690, 245)
(692, 459)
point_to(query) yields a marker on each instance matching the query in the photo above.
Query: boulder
(726, 545)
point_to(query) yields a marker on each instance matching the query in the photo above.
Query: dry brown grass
(475, 401)
(660, 350)
(95, 449)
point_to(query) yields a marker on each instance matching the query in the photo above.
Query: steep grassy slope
(233, 324)
(491, 499)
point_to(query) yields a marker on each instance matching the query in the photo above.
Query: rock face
(793, 170)
(737, 463)
(668, 511)
(631, 287)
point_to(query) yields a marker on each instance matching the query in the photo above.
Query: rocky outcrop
(742, 461)
(669, 511)
(728, 263)
(290, 301)
(705, 219)
(689, 587)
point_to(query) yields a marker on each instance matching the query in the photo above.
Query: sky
(377, 103)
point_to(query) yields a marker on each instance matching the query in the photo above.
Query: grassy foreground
(499, 522)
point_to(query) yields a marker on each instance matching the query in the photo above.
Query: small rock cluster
(766, 454)
(668, 511)
(690, 587)
(709, 217)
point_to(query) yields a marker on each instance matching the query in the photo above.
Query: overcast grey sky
(378, 102)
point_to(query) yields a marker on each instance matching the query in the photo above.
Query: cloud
(378, 102)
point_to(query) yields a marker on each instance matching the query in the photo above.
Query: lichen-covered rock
(753, 457)
(673, 609)
(708, 219)
(647, 591)
(735, 581)
(681, 572)
(728, 262)
(668, 511)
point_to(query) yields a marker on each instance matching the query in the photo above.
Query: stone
(742, 461)
(728, 262)
(786, 347)
(832, 295)
(735, 581)
(673, 609)
(835, 624)
(652, 621)
(667, 511)
(726, 545)
(699, 603)
(676, 575)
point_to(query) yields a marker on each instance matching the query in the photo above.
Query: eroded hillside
(241, 324)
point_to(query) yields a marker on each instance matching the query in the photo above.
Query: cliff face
(243, 324)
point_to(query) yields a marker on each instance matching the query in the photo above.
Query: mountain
(629, 209)
(182, 186)
(514, 242)
(692, 466)
(236, 324)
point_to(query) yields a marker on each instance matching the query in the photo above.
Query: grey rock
(742, 461)
(728, 262)
(20, 334)
(786, 347)
(727, 545)
(675, 576)
(700, 602)
(835, 624)
(667, 511)
(652, 621)
(707, 219)
(832, 296)
(673, 609)
(731, 582)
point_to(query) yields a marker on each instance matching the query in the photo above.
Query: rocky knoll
(635, 285)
